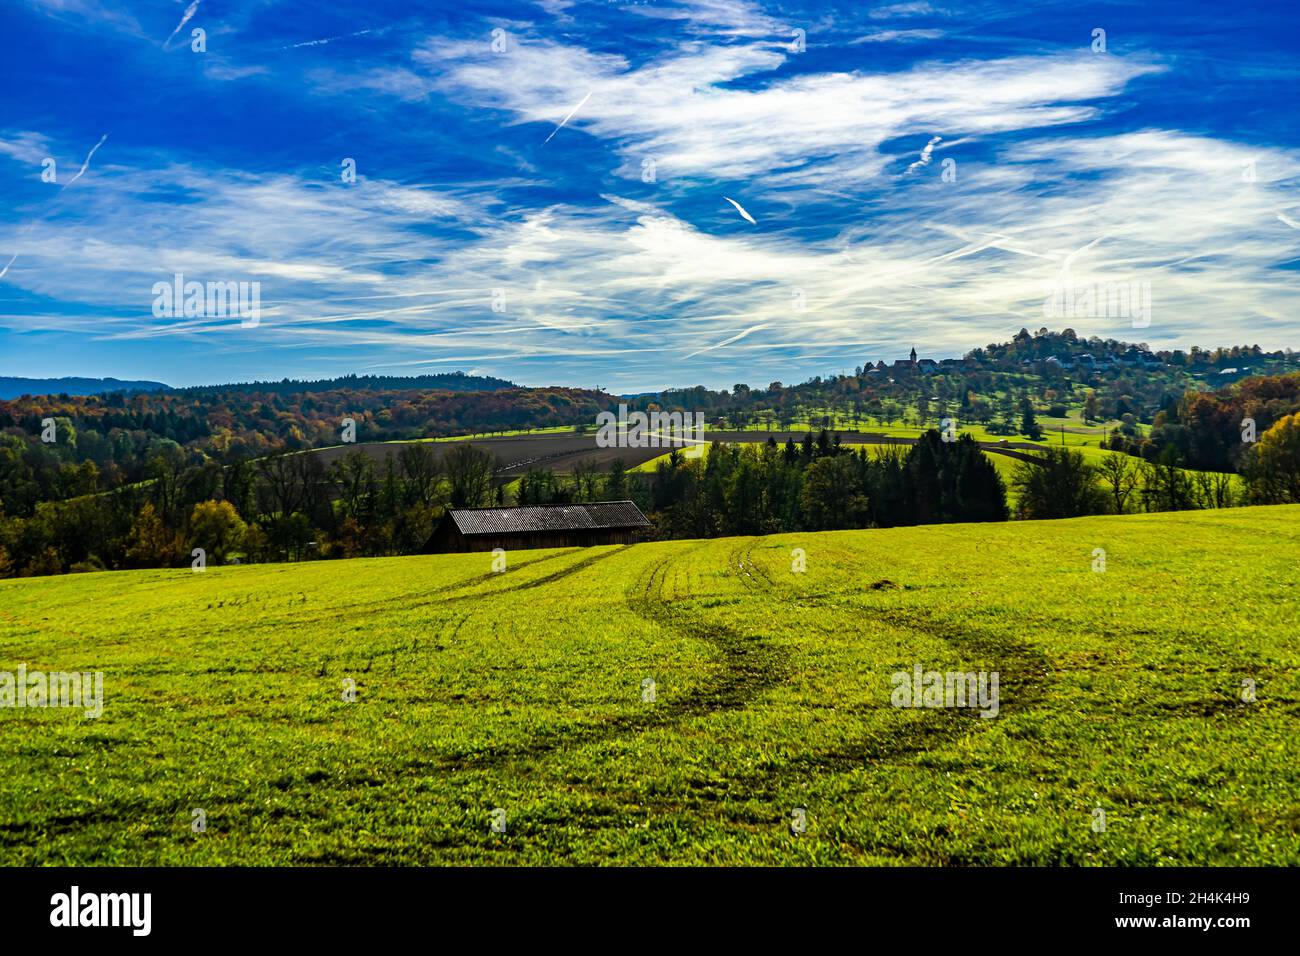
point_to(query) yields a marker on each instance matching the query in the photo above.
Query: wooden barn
(541, 526)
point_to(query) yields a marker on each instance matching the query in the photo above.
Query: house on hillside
(541, 526)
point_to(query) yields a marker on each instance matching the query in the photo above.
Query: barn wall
(448, 538)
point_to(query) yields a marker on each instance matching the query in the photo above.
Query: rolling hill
(1162, 692)
(446, 381)
(11, 387)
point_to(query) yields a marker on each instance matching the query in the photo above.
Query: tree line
(295, 506)
(284, 507)
(104, 442)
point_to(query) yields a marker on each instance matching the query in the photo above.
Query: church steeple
(912, 358)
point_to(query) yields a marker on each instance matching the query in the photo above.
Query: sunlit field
(1125, 732)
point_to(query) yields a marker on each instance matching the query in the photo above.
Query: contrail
(84, 166)
(189, 12)
(294, 46)
(87, 162)
(1004, 243)
(567, 118)
(740, 209)
(925, 154)
(1069, 260)
(735, 338)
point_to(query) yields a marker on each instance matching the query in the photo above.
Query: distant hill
(446, 381)
(16, 387)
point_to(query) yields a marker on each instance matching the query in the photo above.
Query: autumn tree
(1272, 472)
(150, 543)
(217, 528)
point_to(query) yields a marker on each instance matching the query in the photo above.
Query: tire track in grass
(420, 598)
(460, 622)
(1028, 665)
(1022, 682)
(550, 578)
(753, 664)
(1021, 668)
(493, 575)
(750, 664)
(773, 783)
(1024, 677)
(388, 603)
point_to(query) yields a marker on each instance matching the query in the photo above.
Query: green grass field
(522, 691)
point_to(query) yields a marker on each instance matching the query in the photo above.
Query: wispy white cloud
(896, 36)
(25, 147)
(93, 14)
(719, 17)
(685, 112)
(899, 10)
(389, 274)
(185, 18)
(636, 282)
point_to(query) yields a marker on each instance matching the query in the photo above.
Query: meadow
(1125, 690)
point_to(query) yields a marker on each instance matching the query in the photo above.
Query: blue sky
(917, 173)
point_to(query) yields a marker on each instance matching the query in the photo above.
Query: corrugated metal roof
(600, 514)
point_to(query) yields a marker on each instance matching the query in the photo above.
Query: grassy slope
(522, 691)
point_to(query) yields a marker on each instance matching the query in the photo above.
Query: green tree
(423, 473)
(1057, 483)
(1090, 410)
(1028, 420)
(1120, 476)
(979, 493)
(830, 499)
(616, 482)
(1166, 486)
(586, 480)
(469, 472)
